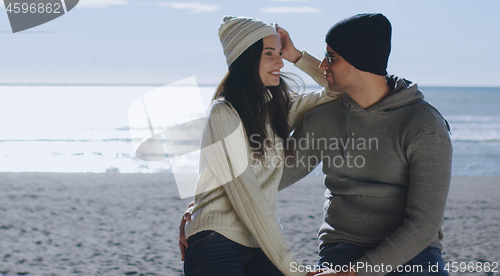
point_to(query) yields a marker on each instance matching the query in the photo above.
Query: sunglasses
(330, 59)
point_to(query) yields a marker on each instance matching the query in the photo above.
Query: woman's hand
(290, 53)
(183, 244)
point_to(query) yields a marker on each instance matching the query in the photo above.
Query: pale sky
(435, 43)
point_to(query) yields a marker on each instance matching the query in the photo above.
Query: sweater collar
(404, 92)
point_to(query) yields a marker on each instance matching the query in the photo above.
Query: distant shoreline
(203, 85)
(490, 179)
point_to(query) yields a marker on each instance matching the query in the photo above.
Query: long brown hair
(244, 90)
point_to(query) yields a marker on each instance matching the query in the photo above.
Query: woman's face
(270, 61)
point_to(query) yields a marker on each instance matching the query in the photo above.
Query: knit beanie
(238, 33)
(363, 40)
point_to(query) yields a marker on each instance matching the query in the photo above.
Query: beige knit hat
(238, 33)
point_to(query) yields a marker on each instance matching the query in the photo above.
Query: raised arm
(230, 163)
(310, 65)
(305, 102)
(303, 61)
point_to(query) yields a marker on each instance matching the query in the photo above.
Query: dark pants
(212, 254)
(428, 262)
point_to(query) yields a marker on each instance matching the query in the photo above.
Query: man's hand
(183, 244)
(290, 53)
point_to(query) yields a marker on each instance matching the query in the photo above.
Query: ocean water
(474, 118)
(86, 128)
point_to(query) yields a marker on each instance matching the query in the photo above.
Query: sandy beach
(127, 224)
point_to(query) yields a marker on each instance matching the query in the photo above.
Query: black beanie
(364, 41)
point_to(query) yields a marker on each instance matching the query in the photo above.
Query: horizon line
(209, 84)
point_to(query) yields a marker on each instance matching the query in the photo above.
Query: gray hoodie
(388, 170)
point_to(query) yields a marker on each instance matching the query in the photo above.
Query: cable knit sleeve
(305, 102)
(228, 156)
(310, 65)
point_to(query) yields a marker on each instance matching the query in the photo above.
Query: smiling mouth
(275, 74)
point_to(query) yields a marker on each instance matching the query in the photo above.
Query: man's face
(340, 74)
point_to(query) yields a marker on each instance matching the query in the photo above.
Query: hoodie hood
(404, 92)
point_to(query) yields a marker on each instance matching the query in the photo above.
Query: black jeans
(428, 262)
(211, 254)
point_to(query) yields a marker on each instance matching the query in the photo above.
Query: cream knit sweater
(236, 194)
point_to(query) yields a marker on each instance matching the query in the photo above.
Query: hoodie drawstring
(348, 123)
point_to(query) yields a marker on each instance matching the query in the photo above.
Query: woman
(234, 228)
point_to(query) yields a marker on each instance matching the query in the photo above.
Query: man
(386, 155)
